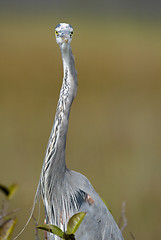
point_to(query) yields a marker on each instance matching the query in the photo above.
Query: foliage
(9, 191)
(72, 226)
(6, 228)
(7, 223)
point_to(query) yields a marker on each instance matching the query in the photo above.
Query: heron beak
(65, 38)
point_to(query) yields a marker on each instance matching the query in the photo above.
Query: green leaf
(52, 228)
(74, 222)
(9, 192)
(12, 190)
(6, 228)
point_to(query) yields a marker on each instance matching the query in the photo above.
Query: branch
(123, 220)
(36, 230)
(131, 234)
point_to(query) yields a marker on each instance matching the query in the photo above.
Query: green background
(114, 135)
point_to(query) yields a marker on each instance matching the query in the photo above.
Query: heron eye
(56, 33)
(71, 34)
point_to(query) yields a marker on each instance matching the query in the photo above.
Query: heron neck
(57, 141)
(69, 67)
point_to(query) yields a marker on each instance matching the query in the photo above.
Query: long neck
(57, 140)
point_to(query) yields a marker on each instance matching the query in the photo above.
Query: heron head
(63, 34)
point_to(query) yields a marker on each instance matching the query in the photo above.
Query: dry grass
(114, 132)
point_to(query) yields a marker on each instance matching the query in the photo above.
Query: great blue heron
(65, 192)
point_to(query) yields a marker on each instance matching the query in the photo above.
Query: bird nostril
(65, 38)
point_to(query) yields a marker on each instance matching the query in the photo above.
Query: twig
(4, 207)
(123, 220)
(131, 234)
(46, 235)
(13, 211)
(36, 229)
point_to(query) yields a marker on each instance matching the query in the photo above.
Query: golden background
(114, 135)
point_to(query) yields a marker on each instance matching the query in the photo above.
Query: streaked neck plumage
(67, 94)
(55, 153)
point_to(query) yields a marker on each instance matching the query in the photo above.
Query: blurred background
(114, 135)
